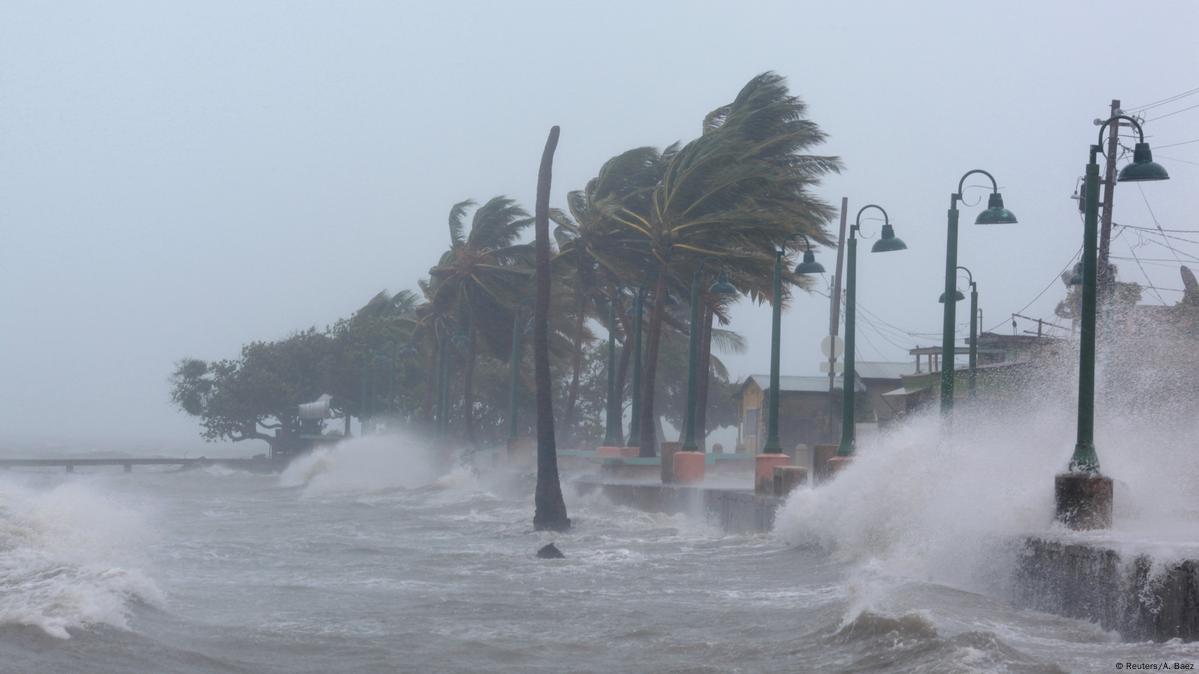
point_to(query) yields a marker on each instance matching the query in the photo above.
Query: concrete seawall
(1122, 593)
(1078, 580)
(733, 510)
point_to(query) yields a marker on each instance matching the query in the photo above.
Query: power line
(1185, 142)
(1168, 99)
(1171, 114)
(1144, 273)
(1057, 278)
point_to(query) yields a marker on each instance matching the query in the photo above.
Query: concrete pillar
(1084, 500)
(820, 456)
(787, 478)
(836, 464)
(764, 465)
(689, 467)
(666, 451)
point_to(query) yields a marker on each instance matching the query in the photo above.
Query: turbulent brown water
(366, 559)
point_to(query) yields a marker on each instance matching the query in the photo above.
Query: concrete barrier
(666, 452)
(689, 467)
(764, 465)
(787, 478)
(1095, 583)
(734, 511)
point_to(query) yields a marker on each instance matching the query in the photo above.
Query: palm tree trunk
(648, 440)
(622, 372)
(705, 374)
(576, 364)
(549, 511)
(468, 387)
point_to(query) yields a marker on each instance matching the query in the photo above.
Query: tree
(479, 279)
(549, 510)
(736, 193)
(591, 251)
(254, 397)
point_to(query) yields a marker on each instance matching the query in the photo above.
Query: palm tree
(479, 279)
(549, 510)
(736, 193)
(591, 250)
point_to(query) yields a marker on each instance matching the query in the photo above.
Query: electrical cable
(1164, 101)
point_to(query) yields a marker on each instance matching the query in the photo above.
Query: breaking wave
(366, 464)
(68, 558)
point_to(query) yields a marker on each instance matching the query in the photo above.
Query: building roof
(798, 384)
(875, 369)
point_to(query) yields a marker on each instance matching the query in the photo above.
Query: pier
(256, 464)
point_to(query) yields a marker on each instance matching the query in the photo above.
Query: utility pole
(834, 301)
(1105, 282)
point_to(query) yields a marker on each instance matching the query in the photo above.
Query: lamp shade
(888, 242)
(995, 214)
(809, 264)
(957, 297)
(722, 286)
(1142, 168)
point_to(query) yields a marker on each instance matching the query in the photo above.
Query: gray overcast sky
(179, 178)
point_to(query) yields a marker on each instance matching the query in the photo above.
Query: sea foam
(69, 557)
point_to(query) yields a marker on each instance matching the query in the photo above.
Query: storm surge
(951, 503)
(69, 558)
(366, 464)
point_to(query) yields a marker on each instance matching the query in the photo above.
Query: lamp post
(1082, 495)
(995, 214)
(974, 320)
(888, 242)
(808, 266)
(720, 287)
(612, 436)
(635, 421)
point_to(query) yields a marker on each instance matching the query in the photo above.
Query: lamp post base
(764, 465)
(1084, 500)
(689, 467)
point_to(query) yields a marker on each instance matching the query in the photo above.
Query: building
(808, 413)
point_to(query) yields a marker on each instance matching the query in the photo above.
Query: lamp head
(809, 264)
(1142, 168)
(995, 214)
(722, 286)
(888, 241)
(957, 297)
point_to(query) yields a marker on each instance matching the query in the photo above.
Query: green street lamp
(808, 266)
(518, 331)
(887, 243)
(1083, 495)
(958, 297)
(613, 437)
(995, 214)
(720, 287)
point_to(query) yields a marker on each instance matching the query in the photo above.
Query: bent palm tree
(736, 193)
(479, 279)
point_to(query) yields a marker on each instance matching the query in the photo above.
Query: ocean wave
(369, 464)
(68, 558)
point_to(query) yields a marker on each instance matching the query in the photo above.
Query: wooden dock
(257, 464)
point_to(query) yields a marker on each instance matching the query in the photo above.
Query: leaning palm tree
(549, 508)
(591, 251)
(735, 194)
(479, 279)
